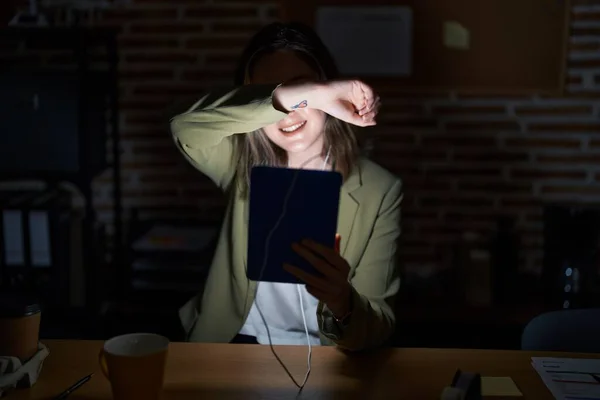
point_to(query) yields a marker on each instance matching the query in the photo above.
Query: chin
(295, 147)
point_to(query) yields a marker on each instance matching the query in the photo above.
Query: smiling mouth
(293, 128)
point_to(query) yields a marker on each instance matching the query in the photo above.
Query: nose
(290, 119)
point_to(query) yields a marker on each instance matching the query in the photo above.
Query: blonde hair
(255, 148)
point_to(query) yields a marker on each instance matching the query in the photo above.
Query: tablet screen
(287, 206)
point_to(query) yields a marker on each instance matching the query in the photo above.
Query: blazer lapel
(348, 208)
(250, 285)
(346, 216)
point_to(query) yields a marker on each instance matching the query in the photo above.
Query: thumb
(360, 120)
(348, 114)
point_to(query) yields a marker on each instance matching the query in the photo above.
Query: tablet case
(311, 213)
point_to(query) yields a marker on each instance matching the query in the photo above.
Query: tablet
(287, 206)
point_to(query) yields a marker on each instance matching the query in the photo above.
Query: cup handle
(102, 363)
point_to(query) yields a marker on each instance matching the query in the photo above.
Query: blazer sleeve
(204, 133)
(375, 284)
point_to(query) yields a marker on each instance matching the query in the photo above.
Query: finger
(345, 112)
(373, 107)
(373, 111)
(319, 294)
(362, 95)
(370, 106)
(330, 255)
(367, 124)
(355, 119)
(307, 278)
(370, 117)
(376, 105)
(368, 93)
(319, 264)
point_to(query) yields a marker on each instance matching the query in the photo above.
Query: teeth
(293, 127)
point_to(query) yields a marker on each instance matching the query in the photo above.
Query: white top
(280, 305)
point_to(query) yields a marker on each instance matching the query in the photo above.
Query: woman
(286, 111)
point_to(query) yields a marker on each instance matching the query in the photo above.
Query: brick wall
(464, 159)
(171, 51)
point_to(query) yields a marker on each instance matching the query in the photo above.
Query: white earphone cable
(266, 257)
(326, 159)
(264, 264)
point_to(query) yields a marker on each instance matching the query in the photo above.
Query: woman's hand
(333, 288)
(352, 101)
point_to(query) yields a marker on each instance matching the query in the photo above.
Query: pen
(74, 387)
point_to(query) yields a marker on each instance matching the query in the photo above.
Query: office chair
(575, 330)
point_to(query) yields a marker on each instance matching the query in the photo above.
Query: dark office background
(495, 182)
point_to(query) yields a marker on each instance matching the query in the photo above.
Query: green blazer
(369, 225)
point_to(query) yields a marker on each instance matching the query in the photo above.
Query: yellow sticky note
(456, 36)
(499, 386)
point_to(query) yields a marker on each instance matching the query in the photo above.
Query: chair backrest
(565, 330)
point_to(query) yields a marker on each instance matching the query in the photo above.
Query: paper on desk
(456, 36)
(570, 378)
(499, 386)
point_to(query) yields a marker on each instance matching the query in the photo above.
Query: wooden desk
(228, 371)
